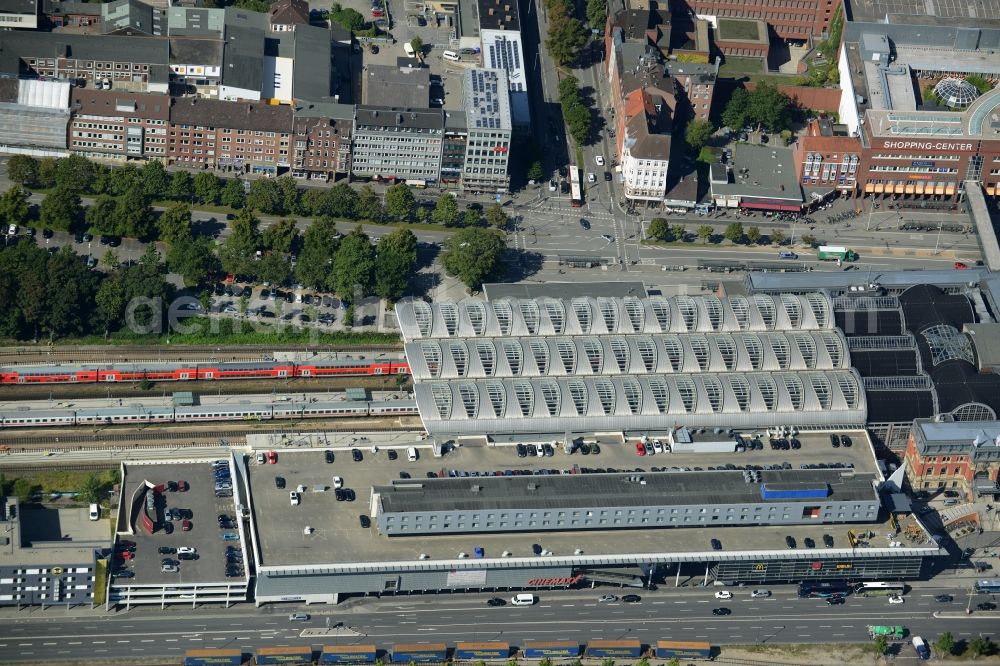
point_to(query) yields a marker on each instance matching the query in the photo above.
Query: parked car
(230, 536)
(365, 521)
(186, 550)
(329, 456)
(496, 601)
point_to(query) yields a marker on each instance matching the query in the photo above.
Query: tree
(265, 196)
(980, 646)
(945, 644)
(368, 206)
(192, 258)
(75, 173)
(237, 254)
(394, 263)
(565, 39)
(445, 210)
(319, 244)
(46, 172)
(100, 215)
(496, 217)
(879, 646)
(535, 171)
(578, 122)
(68, 307)
(233, 194)
(207, 187)
(348, 18)
(658, 228)
(14, 206)
(354, 266)
(110, 260)
(274, 268)
(777, 236)
(698, 133)
(753, 235)
(22, 169)
(155, 179)
(473, 254)
(60, 208)
(281, 236)
(23, 489)
(674, 661)
(181, 186)
(569, 91)
(809, 239)
(133, 215)
(678, 232)
(470, 218)
(342, 200)
(399, 202)
(736, 115)
(734, 232)
(290, 194)
(597, 13)
(418, 45)
(121, 180)
(770, 107)
(704, 233)
(174, 224)
(91, 490)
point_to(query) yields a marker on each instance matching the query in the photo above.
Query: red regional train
(178, 372)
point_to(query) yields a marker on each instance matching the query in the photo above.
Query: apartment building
(487, 113)
(322, 142)
(500, 35)
(397, 144)
(959, 455)
(794, 20)
(106, 124)
(237, 136)
(18, 14)
(645, 144)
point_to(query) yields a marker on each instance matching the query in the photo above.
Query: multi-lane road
(668, 613)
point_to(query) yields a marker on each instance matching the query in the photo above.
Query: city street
(668, 613)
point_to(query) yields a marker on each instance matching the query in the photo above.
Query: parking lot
(199, 501)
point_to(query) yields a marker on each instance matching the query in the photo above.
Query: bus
(823, 589)
(880, 589)
(575, 188)
(988, 586)
(836, 253)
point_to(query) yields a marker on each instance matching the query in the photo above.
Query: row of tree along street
(660, 229)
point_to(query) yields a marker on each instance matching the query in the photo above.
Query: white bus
(880, 589)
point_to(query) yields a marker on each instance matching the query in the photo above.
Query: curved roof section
(958, 384)
(596, 316)
(651, 402)
(925, 305)
(640, 354)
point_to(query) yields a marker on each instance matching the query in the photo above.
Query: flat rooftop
(338, 539)
(205, 535)
(565, 290)
(39, 534)
(761, 172)
(399, 87)
(574, 491)
(816, 280)
(928, 12)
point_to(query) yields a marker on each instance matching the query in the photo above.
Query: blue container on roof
(350, 654)
(420, 652)
(793, 491)
(550, 649)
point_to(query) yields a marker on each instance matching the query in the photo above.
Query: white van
(410, 53)
(523, 599)
(411, 454)
(451, 55)
(95, 513)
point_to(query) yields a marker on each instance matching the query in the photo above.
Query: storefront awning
(898, 188)
(939, 188)
(869, 188)
(879, 187)
(949, 189)
(771, 205)
(990, 190)
(909, 189)
(920, 188)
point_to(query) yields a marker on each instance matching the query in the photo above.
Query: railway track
(15, 469)
(35, 355)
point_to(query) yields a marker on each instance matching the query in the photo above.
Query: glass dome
(956, 93)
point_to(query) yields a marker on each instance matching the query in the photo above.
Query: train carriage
(391, 407)
(245, 412)
(320, 409)
(118, 415)
(155, 372)
(35, 417)
(261, 370)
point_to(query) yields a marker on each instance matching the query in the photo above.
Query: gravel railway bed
(39, 355)
(213, 387)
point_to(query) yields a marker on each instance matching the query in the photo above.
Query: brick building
(827, 158)
(795, 20)
(237, 136)
(106, 124)
(322, 145)
(964, 456)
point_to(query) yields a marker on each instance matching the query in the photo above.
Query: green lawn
(735, 29)
(740, 65)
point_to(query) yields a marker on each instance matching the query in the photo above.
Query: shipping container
(290, 656)
(683, 650)
(486, 651)
(348, 654)
(790, 491)
(601, 649)
(550, 649)
(213, 657)
(420, 652)
(726, 446)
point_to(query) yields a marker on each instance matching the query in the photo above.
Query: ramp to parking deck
(985, 229)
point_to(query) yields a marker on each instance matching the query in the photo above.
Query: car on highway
(591, 178)
(760, 594)
(896, 599)
(607, 598)
(960, 266)
(986, 606)
(944, 598)
(584, 224)
(599, 159)
(835, 601)
(721, 611)
(298, 617)
(496, 601)
(631, 599)
(723, 594)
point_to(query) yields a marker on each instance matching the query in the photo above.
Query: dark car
(522, 450)
(631, 598)
(404, 475)
(835, 441)
(828, 541)
(168, 528)
(796, 444)
(496, 601)
(125, 573)
(339, 494)
(845, 440)
(986, 606)
(279, 482)
(809, 542)
(349, 495)
(944, 598)
(721, 611)
(392, 454)
(835, 601)
(357, 455)
(790, 542)
(166, 550)
(187, 556)
(329, 456)
(365, 521)
(46, 233)
(922, 495)
(950, 493)
(607, 176)
(584, 224)
(716, 544)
